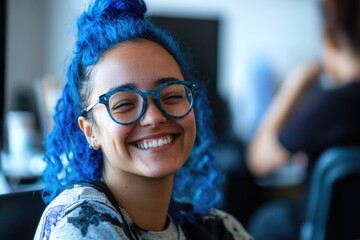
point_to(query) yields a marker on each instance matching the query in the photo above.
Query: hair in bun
(104, 23)
(116, 9)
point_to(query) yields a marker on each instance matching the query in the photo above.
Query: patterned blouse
(83, 212)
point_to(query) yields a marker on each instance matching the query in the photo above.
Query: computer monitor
(201, 41)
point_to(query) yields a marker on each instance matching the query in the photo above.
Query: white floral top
(85, 213)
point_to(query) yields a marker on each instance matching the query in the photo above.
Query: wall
(60, 28)
(25, 54)
(279, 32)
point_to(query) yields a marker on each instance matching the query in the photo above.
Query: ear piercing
(93, 146)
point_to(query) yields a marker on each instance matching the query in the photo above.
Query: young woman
(128, 157)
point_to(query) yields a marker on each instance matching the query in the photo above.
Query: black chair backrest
(333, 210)
(20, 213)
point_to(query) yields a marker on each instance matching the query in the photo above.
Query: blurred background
(242, 49)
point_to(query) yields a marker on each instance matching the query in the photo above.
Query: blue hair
(103, 26)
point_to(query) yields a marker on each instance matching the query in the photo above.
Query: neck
(348, 68)
(146, 200)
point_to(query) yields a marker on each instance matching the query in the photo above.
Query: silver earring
(92, 145)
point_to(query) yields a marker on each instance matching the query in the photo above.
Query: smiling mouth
(155, 143)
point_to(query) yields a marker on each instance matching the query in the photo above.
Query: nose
(153, 116)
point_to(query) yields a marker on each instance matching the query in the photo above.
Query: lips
(155, 142)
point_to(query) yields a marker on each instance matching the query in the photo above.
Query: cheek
(191, 127)
(113, 134)
(118, 134)
(113, 143)
(193, 122)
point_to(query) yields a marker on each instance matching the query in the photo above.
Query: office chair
(333, 210)
(20, 213)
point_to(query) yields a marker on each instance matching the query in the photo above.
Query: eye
(173, 94)
(123, 106)
(123, 101)
(173, 97)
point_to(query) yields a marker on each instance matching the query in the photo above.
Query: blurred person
(129, 154)
(306, 118)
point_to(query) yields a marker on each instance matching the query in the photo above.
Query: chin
(161, 172)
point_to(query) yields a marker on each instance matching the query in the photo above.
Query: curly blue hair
(104, 25)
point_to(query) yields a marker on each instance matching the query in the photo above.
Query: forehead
(141, 63)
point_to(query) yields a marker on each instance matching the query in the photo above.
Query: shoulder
(74, 199)
(216, 224)
(339, 95)
(79, 212)
(224, 220)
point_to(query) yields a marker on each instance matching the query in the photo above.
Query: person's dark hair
(106, 24)
(342, 21)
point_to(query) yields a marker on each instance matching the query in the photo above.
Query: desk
(18, 174)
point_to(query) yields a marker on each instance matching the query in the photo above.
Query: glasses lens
(125, 106)
(176, 99)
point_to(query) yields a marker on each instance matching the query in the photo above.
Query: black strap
(194, 230)
(103, 188)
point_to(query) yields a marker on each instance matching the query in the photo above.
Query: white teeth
(155, 143)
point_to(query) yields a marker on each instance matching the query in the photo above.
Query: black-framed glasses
(127, 105)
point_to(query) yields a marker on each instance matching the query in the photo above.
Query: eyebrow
(157, 83)
(161, 81)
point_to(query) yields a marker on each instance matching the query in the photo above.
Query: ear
(86, 127)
